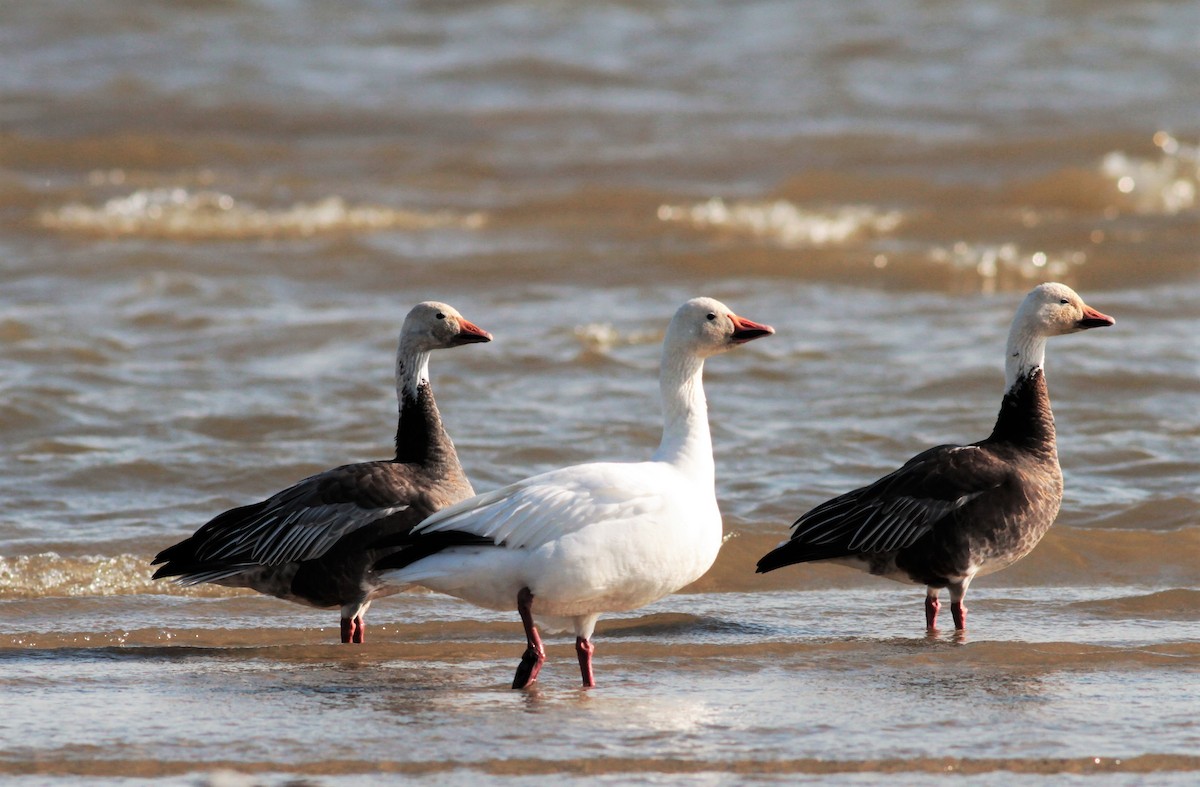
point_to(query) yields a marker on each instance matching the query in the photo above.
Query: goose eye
(441, 316)
(711, 316)
(1064, 300)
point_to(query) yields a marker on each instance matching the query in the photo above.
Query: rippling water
(215, 217)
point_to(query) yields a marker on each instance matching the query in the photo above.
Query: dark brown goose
(954, 512)
(308, 543)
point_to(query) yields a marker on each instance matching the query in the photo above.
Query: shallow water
(214, 220)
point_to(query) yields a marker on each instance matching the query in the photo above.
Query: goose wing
(895, 511)
(299, 523)
(540, 509)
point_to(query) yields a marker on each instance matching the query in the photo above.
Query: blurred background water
(214, 217)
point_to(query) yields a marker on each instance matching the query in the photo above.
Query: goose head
(1050, 309)
(434, 326)
(704, 327)
(1054, 309)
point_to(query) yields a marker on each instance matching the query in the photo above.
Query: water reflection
(959, 683)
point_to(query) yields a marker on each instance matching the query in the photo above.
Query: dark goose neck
(420, 438)
(1025, 420)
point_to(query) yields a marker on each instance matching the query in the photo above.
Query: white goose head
(703, 327)
(431, 325)
(1050, 309)
(434, 326)
(1054, 309)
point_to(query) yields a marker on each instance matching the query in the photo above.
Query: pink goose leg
(932, 605)
(535, 654)
(584, 650)
(958, 607)
(354, 629)
(959, 610)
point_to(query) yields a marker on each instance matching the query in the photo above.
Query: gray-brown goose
(308, 543)
(955, 512)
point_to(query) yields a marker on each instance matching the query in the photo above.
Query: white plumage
(608, 537)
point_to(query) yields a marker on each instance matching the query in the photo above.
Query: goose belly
(576, 574)
(1014, 535)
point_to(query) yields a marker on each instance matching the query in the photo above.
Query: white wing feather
(537, 510)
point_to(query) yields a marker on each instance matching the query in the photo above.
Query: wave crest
(783, 222)
(50, 574)
(1167, 185)
(209, 214)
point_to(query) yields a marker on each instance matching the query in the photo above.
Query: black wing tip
(793, 552)
(167, 571)
(423, 545)
(170, 554)
(185, 567)
(776, 558)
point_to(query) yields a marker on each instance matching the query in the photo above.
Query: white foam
(783, 222)
(995, 264)
(603, 338)
(51, 574)
(181, 212)
(1167, 185)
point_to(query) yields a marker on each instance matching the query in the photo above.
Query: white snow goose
(570, 544)
(955, 512)
(309, 543)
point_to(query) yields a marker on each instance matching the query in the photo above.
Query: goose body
(564, 534)
(955, 512)
(311, 543)
(568, 545)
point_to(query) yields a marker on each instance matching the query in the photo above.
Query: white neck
(1026, 351)
(412, 370)
(686, 441)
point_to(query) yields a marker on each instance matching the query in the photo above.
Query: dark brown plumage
(954, 512)
(309, 542)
